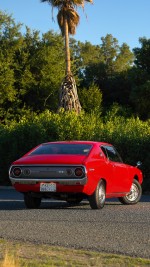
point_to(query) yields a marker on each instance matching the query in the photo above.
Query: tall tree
(142, 59)
(109, 69)
(10, 41)
(68, 20)
(140, 95)
(30, 75)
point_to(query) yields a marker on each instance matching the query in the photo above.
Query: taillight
(69, 172)
(17, 171)
(79, 172)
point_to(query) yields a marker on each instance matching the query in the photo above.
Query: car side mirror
(138, 164)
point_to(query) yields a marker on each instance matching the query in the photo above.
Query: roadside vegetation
(16, 254)
(131, 136)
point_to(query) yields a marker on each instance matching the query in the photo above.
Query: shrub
(130, 136)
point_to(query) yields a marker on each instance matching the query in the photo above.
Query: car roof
(78, 142)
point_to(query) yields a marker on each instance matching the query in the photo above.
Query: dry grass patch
(17, 254)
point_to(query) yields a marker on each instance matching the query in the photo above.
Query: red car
(73, 171)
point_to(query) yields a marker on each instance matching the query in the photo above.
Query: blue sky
(126, 20)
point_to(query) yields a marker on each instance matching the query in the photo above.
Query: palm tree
(68, 20)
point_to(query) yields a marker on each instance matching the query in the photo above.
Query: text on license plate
(47, 187)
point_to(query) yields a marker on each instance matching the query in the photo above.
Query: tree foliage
(91, 99)
(140, 95)
(32, 70)
(30, 75)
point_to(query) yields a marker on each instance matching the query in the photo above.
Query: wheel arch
(136, 178)
(105, 182)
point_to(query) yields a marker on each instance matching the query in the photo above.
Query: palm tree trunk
(67, 50)
(68, 93)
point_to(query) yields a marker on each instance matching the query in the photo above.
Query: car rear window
(72, 149)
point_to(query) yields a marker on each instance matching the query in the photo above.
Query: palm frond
(54, 3)
(81, 2)
(72, 19)
(60, 19)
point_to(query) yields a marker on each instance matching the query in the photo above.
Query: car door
(118, 171)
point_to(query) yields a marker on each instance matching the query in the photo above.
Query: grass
(16, 254)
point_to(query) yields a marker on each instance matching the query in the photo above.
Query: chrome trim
(82, 181)
(64, 180)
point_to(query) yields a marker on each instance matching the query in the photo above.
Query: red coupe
(73, 171)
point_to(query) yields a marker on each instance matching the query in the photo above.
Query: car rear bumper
(60, 188)
(62, 181)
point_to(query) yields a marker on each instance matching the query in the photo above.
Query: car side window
(112, 154)
(104, 151)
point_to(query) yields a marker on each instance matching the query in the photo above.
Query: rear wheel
(97, 199)
(134, 195)
(31, 202)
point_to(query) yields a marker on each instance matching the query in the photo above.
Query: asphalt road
(116, 228)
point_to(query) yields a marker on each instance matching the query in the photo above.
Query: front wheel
(97, 199)
(134, 195)
(31, 202)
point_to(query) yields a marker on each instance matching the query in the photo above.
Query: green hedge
(131, 137)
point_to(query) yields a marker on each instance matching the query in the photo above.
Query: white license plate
(47, 187)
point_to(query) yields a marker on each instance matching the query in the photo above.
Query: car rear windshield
(73, 149)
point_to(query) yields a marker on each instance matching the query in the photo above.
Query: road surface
(117, 228)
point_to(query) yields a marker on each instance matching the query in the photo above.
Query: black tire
(134, 195)
(31, 202)
(97, 199)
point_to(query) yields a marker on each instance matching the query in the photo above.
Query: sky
(126, 20)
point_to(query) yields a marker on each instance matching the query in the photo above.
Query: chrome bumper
(67, 181)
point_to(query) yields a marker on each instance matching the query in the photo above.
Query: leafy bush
(91, 99)
(130, 136)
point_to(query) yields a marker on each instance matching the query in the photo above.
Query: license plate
(47, 187)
